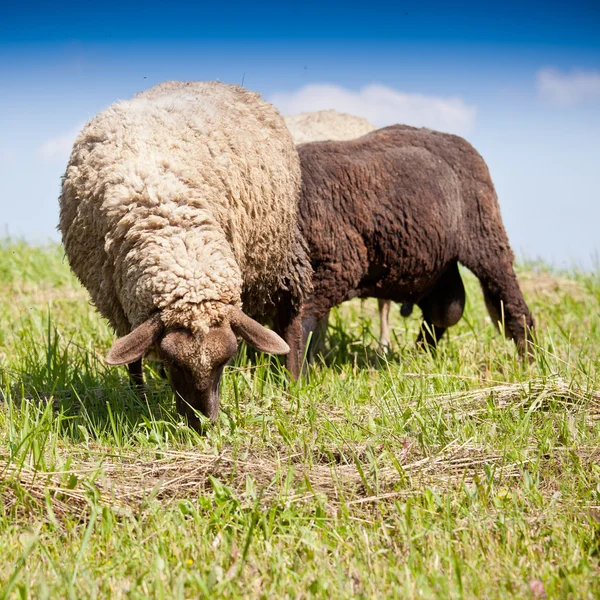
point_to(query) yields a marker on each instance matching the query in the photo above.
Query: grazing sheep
(321, 126)
(326, 125)
(178, 207)
(391, 214)
(330, 125)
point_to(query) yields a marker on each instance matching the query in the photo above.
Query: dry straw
(129, 482)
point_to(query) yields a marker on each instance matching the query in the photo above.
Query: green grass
(464, 475)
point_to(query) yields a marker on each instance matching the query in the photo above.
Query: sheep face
(196, 361)
(196, 364)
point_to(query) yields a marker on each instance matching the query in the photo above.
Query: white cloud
(382, 105)
(58, 148)
(576, 87)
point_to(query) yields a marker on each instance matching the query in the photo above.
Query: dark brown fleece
(389, 215)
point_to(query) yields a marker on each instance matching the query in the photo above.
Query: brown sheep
(390, 215)
(325, 125)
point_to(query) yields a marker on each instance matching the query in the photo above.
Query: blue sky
(521, 81)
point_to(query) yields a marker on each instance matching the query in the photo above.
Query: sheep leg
(506, 305)
(136, 375)
(317, 343)
(442, 308)
(384, 323)
(493, 266)
(310, 327)
(288, 324)
(429, 335)
(292, 334)
(296, 334)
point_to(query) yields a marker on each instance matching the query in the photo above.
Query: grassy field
(467, 474)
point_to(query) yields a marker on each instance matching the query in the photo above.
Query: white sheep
(178, 207)
(326, 125)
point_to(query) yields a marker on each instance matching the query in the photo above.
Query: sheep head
(196, 361)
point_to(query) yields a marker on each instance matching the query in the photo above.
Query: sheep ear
(256, 335)
(133, 346)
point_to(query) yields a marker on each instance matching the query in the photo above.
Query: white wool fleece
(183, 199)
(326, 125)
